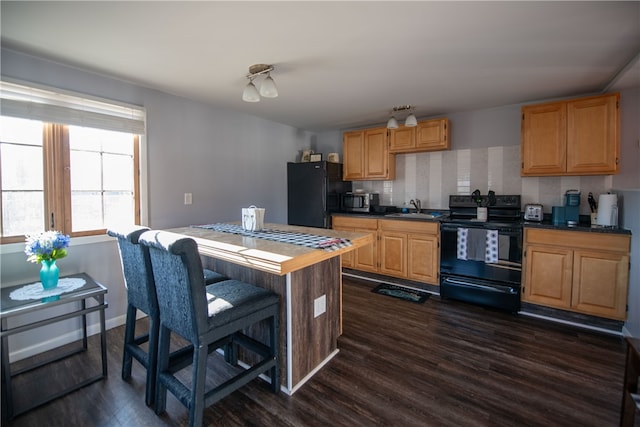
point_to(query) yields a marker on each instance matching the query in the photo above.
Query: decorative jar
(49, 274)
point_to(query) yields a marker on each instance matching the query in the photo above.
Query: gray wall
(630, 207)
(490, 127)
(629, 176)
(627, 185)
(227, 160)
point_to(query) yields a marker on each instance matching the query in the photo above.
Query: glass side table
(73, 292)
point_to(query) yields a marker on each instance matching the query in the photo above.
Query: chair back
(180, 287)
(136, 268)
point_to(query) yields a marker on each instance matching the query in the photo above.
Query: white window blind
(55, 106)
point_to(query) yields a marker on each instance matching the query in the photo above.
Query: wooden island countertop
(266, 255)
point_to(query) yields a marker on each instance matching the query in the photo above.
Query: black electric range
(481, 261)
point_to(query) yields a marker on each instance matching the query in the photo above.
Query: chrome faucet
(416, 204)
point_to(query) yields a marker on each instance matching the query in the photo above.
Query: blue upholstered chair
(141, 295)
(211, 317)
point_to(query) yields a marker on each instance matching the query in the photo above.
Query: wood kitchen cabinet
(574, 137)
(403, 139)
(423, 257)
(433, 135)
(353, 155)
(406, 249)
(578, 271)
(366, 155)
(393, 253)
(428, 135)
(364, 258)
(410, 249)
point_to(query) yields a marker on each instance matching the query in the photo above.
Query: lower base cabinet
(365, 258)
(577, 271)
(410, 250)
(402, 248)
(393, 249)
(423, 260)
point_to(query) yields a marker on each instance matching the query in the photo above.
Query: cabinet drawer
(579, 239)
(409, 226)
(355, 222)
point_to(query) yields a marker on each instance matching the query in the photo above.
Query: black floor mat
(400, 292)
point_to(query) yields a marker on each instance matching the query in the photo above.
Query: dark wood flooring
(441, 363)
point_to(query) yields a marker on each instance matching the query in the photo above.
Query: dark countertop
(360, 214)
(390, 215)
(582, 226)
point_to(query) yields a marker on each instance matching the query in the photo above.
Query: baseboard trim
(312, 373)
(570, 323)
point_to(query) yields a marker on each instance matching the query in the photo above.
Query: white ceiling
(341, 65)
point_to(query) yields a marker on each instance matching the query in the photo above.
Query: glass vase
(49, 274)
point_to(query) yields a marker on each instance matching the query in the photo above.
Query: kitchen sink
(415, 215)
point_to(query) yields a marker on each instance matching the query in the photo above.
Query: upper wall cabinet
(366, 155)
(574, 137)
(428, 135)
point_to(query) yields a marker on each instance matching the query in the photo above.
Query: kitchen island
(308, 280)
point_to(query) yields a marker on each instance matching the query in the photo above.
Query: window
(68, 177)
(102, 178)
(22, 179)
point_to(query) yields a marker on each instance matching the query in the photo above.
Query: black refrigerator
(313, 190)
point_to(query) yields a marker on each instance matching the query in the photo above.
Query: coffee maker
(572, 207)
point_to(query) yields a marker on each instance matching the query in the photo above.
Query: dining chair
(214, 316)
(141, 295)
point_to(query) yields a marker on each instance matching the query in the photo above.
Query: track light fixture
(410, 121)
(268, 87)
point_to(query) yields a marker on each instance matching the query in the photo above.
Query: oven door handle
(495, 288)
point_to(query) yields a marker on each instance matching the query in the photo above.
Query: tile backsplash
(432, 177)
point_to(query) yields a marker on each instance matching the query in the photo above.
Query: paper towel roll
(607, 210)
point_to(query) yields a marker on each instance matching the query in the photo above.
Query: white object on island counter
(252, 218)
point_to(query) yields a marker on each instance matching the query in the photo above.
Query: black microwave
(359, 202)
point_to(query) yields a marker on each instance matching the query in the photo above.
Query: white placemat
(36, 291)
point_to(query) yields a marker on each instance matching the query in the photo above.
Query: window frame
(56, 160)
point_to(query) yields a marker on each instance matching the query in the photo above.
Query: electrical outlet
(319, 306)
(188, 198)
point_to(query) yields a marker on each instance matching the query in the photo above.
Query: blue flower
(47, 246)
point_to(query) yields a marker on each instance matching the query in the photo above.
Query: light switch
(188, 198)
(319, 306)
